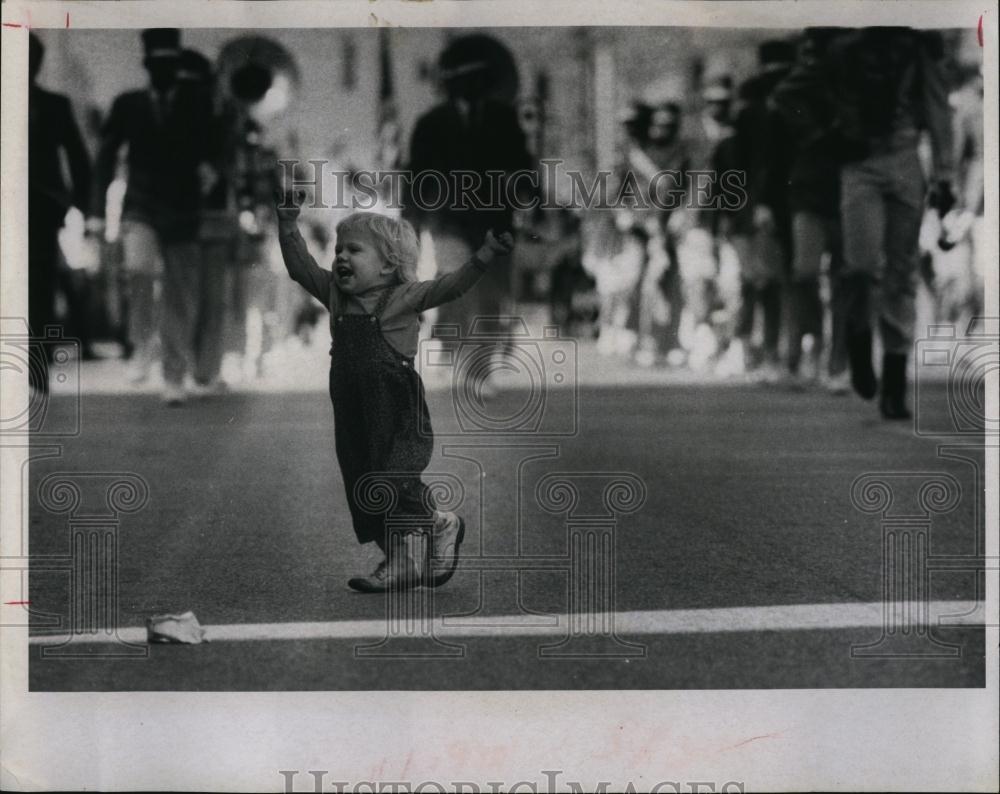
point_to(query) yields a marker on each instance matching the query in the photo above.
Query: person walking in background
(695, 232)
(614, 254)
(656, 145)
(763, 145)
(710, 249)
(887, 84)
(216, 234)
(814, 204)
(169, 136)
(757, 231)
(570, 284)
(471, 131)
(53, 133)
(957, 242)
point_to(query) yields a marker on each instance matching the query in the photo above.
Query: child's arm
(443, 289)
(299, 262)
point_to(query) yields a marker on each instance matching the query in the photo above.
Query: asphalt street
(747, 506)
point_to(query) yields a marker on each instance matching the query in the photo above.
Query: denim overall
(379, 408)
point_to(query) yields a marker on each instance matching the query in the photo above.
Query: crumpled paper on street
(184, 629)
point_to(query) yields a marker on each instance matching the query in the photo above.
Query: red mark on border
(979, 30)
(18, 603)
(11, 25)
(67, 20)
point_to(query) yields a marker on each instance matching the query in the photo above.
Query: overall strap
(383, 301)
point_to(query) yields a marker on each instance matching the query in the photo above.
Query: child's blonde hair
(395, 239)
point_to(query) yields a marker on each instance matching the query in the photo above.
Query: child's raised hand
(288, 205)
(497, 246)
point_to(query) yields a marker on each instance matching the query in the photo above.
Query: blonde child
(380, 413)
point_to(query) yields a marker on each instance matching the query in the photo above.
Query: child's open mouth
(344, 272)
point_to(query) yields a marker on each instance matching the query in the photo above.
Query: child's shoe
(398, 571)
(446, 538)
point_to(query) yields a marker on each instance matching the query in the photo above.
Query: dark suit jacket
(164, 151)
(490, 141)
(802, 101)
(766, 145)
(51, 129)
(885, 85)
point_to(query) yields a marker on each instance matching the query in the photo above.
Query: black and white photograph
(499, 396)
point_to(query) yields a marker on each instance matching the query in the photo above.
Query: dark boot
(859, 351)
(893, 400)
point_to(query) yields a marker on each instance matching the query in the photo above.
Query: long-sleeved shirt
(52, 129)
(168, 136)
(802, 102)
(399, 319)
(886, 85)
(487, 141)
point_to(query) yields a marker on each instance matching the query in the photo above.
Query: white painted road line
(797, 617)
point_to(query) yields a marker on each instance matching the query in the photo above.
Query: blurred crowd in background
(762, 291)
(862, 154)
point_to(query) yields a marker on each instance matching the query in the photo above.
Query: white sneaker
(704, 347)
(446, 538)
(838, 385)
(210, 389)
(138, 372)
(645, 358)
(768, 373)
(733, 363)
(174, 395)
(677, 357)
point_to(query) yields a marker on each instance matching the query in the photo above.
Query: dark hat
(161, 43)
(478, 66)
(194, 66)
(776, 51)
(462, 56)
(822, 34)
